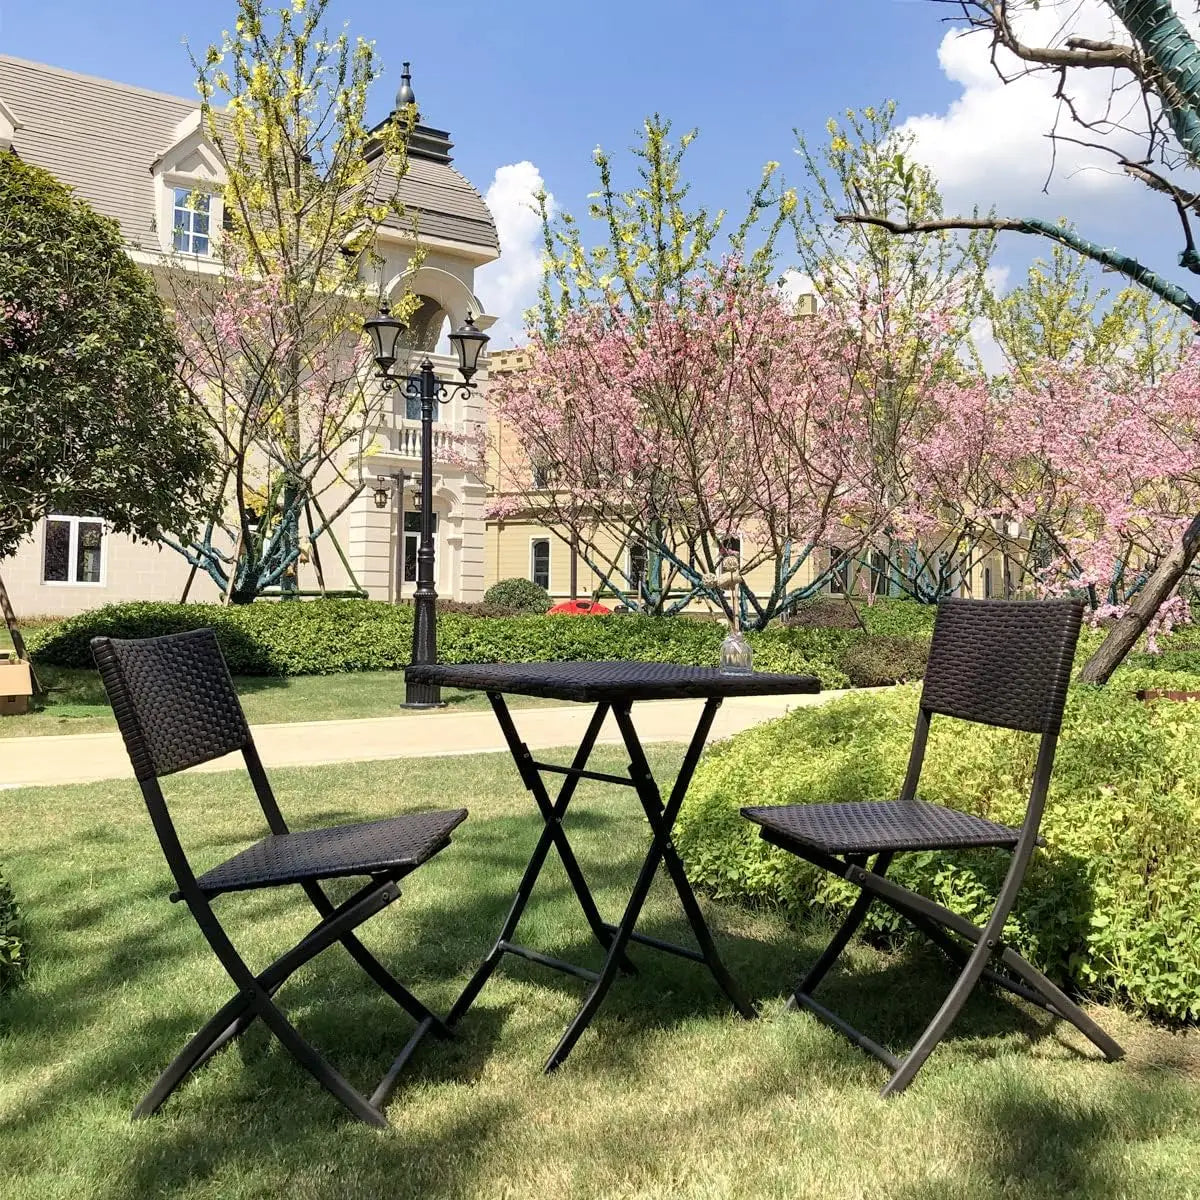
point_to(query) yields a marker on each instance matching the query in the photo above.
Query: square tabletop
(596, 682)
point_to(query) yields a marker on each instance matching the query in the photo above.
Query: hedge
(12, 948)
(322, 637)
(1109, 906)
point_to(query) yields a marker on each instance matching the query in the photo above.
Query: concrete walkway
(89, 757)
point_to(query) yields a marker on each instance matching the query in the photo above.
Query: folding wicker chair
(176, 706)
(992, 662)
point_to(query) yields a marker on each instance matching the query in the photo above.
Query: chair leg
(316, 1066)
(385, 980)
(1063, 1004)
(225, 1024)
(841, 939)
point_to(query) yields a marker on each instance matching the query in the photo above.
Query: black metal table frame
(614, 938)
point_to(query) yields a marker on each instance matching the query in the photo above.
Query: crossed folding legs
(255, 996)
(614, 938)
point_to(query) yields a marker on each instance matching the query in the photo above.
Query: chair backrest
(174, 700)
(1002, 662)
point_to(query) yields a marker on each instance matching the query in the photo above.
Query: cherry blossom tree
(1147, 125)
(718, 414)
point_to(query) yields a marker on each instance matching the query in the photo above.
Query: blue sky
(542, 83)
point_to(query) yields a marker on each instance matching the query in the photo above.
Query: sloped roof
(440, 201)
(98, 136)
(102, 138)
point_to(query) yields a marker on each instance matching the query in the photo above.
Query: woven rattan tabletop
(593, 682)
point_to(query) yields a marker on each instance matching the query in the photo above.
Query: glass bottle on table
(737, 656)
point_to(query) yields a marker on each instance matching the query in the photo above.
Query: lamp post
(385, 331)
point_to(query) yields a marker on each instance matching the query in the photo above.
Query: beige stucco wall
(132, 571)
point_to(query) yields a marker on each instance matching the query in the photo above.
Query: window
(839, 572)
(880, 575)
(637, 564)
(539, 562)
(74, 550)
(191, 221)
(731, 547)
(412, 404)
(987, 583)
(541, 477)
(412, 540)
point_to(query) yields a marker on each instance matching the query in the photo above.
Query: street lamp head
(382, 498)
(385, 332)
(468, 343)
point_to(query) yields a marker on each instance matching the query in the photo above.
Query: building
(143, 159)
(520, 545)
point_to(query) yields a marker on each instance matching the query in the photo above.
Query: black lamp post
(468, 342)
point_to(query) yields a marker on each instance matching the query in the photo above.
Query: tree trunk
(1125, 633)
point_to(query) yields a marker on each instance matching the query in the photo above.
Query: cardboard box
(16, 686)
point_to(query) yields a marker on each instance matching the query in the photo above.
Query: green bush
(898, 618)
(12, 948)
(1109, 905)
(521, 595)
(322, 637)
(884, 659)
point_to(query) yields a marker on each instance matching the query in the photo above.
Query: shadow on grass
(122, 979)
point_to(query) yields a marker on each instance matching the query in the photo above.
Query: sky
(527, 89)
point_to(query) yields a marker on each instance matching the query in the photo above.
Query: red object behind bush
(578, 608)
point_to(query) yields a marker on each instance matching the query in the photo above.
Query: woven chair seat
(870, 826)
(369, 848)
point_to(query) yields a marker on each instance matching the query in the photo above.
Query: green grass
(667, 1095)
(76, 702)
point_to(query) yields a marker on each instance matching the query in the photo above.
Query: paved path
(88, 757)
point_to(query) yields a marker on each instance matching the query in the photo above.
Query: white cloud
(508, 287)
(990, 148)
(794, 284)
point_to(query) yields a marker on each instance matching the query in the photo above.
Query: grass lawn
(77, 704)
(668, 1094)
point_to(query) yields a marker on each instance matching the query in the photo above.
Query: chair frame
(254, 999)
(988, 957)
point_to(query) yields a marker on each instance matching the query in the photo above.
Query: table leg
(552, 834)
(662, 821)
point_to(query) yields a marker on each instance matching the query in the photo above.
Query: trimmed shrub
(519, 595)
(322, 637)
(1109, 906)
(875, 661)
(12, 948)
(898, 618)
(821, 613)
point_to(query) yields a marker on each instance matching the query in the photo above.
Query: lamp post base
(423, 695)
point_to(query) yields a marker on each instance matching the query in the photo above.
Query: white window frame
(414, 515)
(534, 541)
(186, 227)
(72, 579)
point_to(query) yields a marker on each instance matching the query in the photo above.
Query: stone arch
(436, 287)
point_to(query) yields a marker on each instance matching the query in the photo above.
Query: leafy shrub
(12, 949)
(322, 637)
(898, 618)
(1109, 905)
(520, 595)
(875, 661)
(821, 613)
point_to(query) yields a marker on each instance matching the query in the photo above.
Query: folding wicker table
(612, 687)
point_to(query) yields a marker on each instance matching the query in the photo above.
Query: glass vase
(737, 658)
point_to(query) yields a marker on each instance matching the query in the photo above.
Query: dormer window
(191, 216)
